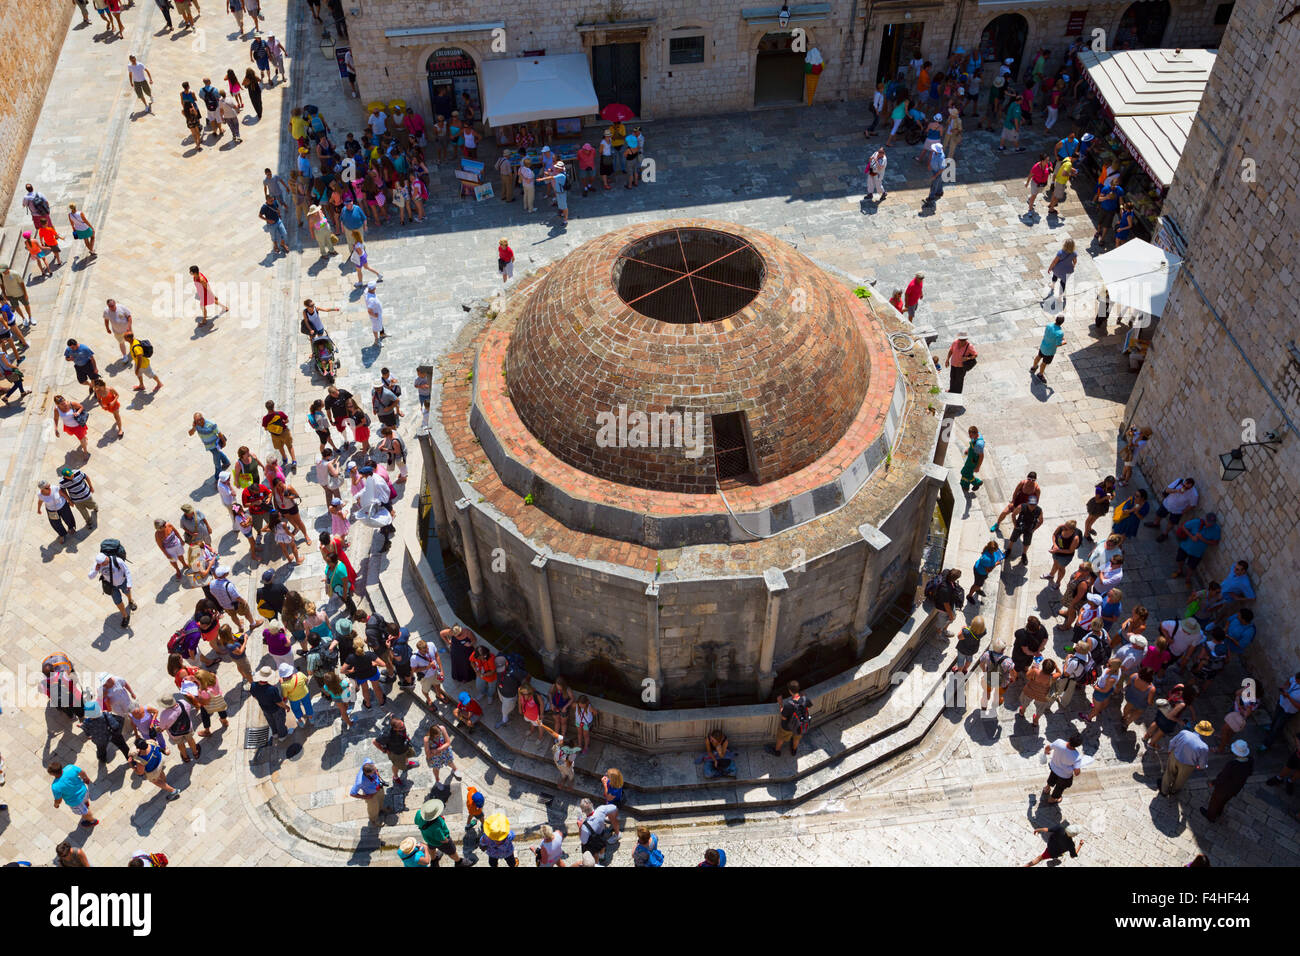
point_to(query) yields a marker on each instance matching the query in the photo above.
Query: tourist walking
(213, 441)
(77, 487)
(369, 786)
(876, 165)
(115, 578)
(1040, 174)
(57, 509)
(913, 295)
(1060, 270)
(437, 751)
(266, 690)
(437, 835)
(938, 165)
(270, 215)
(1064, 762)
(147, 762)
(82, 229)
(1053, 339)
(83, 363)
(1060, 841)
(1230, 781)
(203, 291)
(1188, 752)
(140, 79)
(989, 558)
(72, 786)
(396, 743)
(104, 731)
(142, 362)
(961, 359)
(973, 462)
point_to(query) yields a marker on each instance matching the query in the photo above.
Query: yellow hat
(497, 827)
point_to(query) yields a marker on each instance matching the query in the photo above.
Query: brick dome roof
(687, 321)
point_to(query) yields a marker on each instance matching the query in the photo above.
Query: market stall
(1150, 98)
(546, 95)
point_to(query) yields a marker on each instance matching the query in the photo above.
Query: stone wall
(1196, 391)
(725, 80)
(31, 35)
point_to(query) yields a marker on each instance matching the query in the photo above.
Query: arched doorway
(451, 72)
(1004, 38)
(1142, 27)
(778, 71)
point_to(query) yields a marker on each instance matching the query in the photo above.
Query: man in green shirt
(434, 831)
(974, 459)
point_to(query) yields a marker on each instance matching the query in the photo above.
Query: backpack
(158, 859)
(933, 588)
(185, 641)
(112, 548)
(41, 205)
(1081, 669)
(800, 714)
(146, 347)
(182, 724)
(595, 843)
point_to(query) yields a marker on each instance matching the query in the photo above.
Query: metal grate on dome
(688, 276)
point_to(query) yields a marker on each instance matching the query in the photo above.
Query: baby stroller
(324, 356)
(913, 127)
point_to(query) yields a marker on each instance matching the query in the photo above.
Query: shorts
(80, 809)
(85, 374)
(148, 372)
(277, 231)
(446, 848)
(562, 201)
(115, 593)
(964, 659)
(1058, 191)
(142, 89)
(77, 431)
(1190, 560)
(1167, 725)
(1097, 508)
(1035, 189)
(1010, 136)
(980, 579)
(1161, 512)
(1062, 560)
(1046, 359)
(507, 269)
(157, 775)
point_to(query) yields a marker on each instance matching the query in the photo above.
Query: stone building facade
(1233, 210)
(697, 57)
(31, 34)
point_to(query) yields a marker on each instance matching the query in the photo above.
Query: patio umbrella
(617, 113)
(1139, 275)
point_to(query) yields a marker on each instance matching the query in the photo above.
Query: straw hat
(496, 827)
(265, 674)
(1205, 728)
(431, 810)
(407, 846)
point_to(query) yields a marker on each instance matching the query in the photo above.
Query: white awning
(1156, 142)
(1149, 82)
(523, 89)
(1138, 275)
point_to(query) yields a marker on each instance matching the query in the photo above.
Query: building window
(1222, 13)
(683, 50)
(730, 450)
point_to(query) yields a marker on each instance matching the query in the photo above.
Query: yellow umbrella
(376, 105)
(397, 105)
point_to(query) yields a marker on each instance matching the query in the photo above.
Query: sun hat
(352, 466)
(370, 287)
(1205, 728)
(463, 698)
(286, 671)
(496, 827)
(187, 507)
(1241, 749)
(312, 210)
(302, 150)
(938, 117)
(431, 810)
(221, 571)
(407, 846)
(344, 626)
(1138, 641)
(264, 674)
(1190, 625)
(1009, 60)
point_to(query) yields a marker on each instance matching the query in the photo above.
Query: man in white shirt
(140, 79)
(592, 822)
(117, 321)
(228, 596)
(876, 174)
(1064, 763)
(378, 123)
(116, 576)
(375, 308)
(1180, 497)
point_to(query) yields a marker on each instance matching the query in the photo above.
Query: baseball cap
(65, 472)
(370, 287)
(221, 571)
(268, 575)
(462, 698)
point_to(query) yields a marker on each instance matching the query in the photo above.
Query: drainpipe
(956, 25)
(866, 33)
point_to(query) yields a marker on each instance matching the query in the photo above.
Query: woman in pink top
(961, 357)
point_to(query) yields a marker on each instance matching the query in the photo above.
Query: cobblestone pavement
(159, 207)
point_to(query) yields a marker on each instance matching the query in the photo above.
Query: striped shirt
(75, 486)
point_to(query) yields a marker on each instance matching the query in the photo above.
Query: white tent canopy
(1139, 275)
(1154, 95)
(524, 89)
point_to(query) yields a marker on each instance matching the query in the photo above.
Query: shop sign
(450, 62)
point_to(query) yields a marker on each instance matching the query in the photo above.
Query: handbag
(221, 440)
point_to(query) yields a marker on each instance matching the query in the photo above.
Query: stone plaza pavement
(961, 798)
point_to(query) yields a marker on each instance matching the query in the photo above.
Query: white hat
(286, 671)
(370, 287)
(1138, 641)
(938, 117)
(1241, 749)
(1009, 60)
(221, 571)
